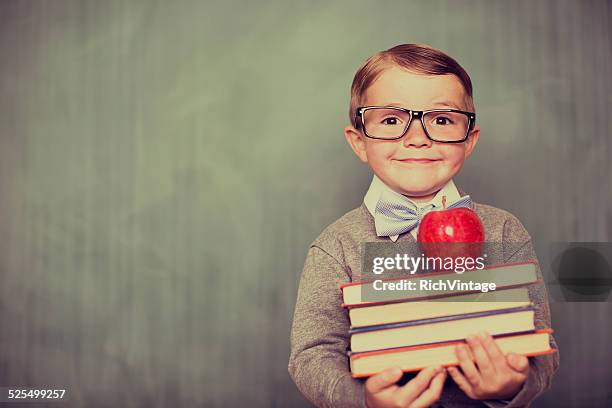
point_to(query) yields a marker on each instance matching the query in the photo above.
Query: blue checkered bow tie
(396, 214)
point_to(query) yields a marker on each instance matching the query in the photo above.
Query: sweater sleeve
(518, 248)
(318, 363)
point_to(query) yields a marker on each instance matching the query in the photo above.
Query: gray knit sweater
(318, 362)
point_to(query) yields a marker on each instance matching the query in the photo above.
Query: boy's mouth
(417, 160)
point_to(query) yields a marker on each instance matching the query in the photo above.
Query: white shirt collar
(377, 186)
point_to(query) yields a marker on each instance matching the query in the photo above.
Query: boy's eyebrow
(448, 103)
(439, 104)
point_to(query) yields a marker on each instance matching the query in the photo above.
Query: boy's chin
(417, 186)
(419, 191)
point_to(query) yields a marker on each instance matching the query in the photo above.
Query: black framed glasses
(391, 123)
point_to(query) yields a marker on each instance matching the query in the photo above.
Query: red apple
(456, 232)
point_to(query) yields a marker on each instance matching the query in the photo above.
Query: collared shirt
(377, 186)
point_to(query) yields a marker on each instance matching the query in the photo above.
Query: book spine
(434, 273)
(434, 297)
(534, 354)
(440, 319)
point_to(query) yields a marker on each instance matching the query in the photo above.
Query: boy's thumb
(383, 380)
(518, 362)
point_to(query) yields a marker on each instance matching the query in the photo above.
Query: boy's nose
(415, 135)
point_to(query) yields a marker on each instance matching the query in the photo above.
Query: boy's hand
(494, 376)
(422, 391)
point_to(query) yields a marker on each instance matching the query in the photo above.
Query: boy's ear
(470, 143)
(357, 142)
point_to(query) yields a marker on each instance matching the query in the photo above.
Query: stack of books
(416, 329)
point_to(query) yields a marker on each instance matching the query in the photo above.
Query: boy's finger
(485, 366)
(418, 384)
(492, 349)
(460, 380)
(470, 371)
(431, 394)
(518, 362)
(382, 380)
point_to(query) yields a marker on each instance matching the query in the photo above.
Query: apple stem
(444, 202)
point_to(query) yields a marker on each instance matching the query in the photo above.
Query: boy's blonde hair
(417, 58)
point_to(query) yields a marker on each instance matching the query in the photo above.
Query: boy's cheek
(379, 151)
(455, 153)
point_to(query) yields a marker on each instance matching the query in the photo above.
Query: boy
(414, 152)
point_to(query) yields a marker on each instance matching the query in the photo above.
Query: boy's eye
(443, 120)
(391, 120)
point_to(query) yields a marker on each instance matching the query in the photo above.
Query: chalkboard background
(164, 166)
